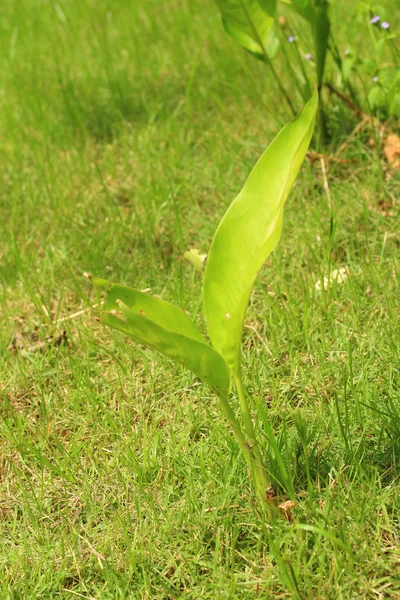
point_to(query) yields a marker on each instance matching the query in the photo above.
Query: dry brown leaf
(271, 493)
(287, 507)
(391, 149)
(25, 343)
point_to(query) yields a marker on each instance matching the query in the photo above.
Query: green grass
(125, 132)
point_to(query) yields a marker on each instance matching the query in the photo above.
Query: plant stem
(375, 135)
(295, 75)
(395, 49)
(234, 424)
(257, 469)
(258, 475)
(300, 62)
(354, 107)
(339, 63)
(323, 132)
(244, 407)
(268, 60)
(275, 74)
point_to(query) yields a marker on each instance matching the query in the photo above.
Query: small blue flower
(385, 25)
(291, 39)
(375, 19)
(308, 56)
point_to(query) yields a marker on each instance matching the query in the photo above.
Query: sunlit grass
(125, 132)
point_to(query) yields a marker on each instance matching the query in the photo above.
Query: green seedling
(247, 234)
(251, 24)
(304, 32)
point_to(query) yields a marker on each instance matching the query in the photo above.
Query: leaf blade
(197, 356)
(316, 12)
(248, 233)
(163, 313)
(321, 30)
(249, 23)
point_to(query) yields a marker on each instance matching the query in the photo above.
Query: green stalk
(295, 75)
(254, 465)
(338, 60)
(244, 407)
(323, 130)
(375, 135)
(269, 61)
(257, 469)
(300, 61)
(275, 74)
(315, 24)
(227, 410)
(395, 49)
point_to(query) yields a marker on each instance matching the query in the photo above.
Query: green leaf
(321, 28)
(303, 8)
(249, 231)
(376, 97)
(316, 13)
(162, 313)
(394, 107)
(347, 65)
(380, 48)
(369, 66)
(165, 328)
(195, 258)
(101, 284)
(249, 23)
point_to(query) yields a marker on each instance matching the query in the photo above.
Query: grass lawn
(126, 129)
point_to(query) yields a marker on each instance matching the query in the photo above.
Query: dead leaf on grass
(385, 208)
(27, 343)
(338, 275)
(271, 493)
(382, 207)
(391, 149)
(287, 508)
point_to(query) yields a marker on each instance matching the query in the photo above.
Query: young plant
(250, 23)
(263, 27)
(315, 12)
(247, 234)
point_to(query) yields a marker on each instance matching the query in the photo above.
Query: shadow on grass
(313, 458)
(102, 109)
